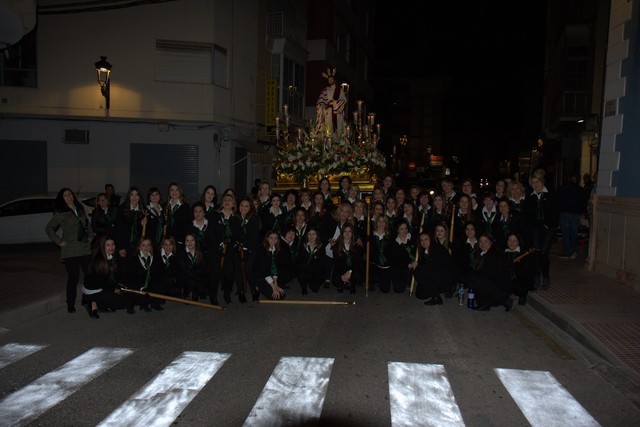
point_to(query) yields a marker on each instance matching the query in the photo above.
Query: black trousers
(73, 265)
(543, 238)
(380, 277)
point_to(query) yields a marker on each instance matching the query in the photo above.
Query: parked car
(23, 220)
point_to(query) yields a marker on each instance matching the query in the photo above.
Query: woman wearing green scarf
(75, 240)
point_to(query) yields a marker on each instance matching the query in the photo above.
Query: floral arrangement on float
(318, 151)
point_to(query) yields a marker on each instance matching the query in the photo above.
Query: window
(293, 81)
(18, 63)
(28, 207)
(219, 66)
(191, 62)
(275, 24)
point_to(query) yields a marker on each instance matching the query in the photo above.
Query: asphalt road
(386, 360)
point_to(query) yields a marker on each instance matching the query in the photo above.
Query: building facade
(616, 223)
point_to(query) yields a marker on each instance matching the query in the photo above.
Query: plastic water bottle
(471, 299)
(460, 293)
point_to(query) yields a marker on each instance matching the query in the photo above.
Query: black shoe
(157, 306)
(71, 309)
(522, 300)
(146, 308)
(227, 299)
(131, 310)
(483, 308)
(327, 284)
(434, 301)
(242, 298)
(508, 304)
(92, 313)
(255, 296)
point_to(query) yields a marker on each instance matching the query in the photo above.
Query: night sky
(494, 59)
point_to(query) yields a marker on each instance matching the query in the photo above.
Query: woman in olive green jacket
(75, 243)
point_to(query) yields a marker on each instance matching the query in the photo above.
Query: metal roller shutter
(157, 165)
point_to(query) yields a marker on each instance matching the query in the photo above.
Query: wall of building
(142, 110)
(87, 167)
(616, 224)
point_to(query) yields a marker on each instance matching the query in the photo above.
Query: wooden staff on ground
(168, 298)
(413, 278)
(296, 302)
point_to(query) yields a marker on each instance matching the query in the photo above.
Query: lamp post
(103, 68)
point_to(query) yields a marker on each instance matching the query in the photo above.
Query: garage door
(157, 165)
(18, 157)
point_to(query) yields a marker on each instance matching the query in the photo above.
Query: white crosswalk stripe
(543, 400)
(161, 401)
(294, 394)
(33, 400)
(10, 353)
(420, 395)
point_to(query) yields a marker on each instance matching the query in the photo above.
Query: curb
(576, 331)
(33, 310)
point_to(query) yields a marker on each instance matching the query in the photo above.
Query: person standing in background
(571, 204)
(541, 214)
(114, 199)
(103, 218)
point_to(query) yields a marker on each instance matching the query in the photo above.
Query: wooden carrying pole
(298, 302)
(413, 278)
(453, 217)
(168, 298)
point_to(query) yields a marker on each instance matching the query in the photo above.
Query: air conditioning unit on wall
(76, 136)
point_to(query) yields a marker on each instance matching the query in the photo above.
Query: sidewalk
(32, 281)
(600, 313)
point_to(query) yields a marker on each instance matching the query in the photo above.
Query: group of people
(394, 239)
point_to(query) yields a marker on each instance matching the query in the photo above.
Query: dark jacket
(571, 198)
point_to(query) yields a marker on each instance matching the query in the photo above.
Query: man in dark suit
(114, 199)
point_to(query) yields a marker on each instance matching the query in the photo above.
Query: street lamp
(103, 68)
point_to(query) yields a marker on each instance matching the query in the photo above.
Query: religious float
(331, 147)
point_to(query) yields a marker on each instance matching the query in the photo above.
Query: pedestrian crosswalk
(419, 394)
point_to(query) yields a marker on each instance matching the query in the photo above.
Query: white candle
(285, 108)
